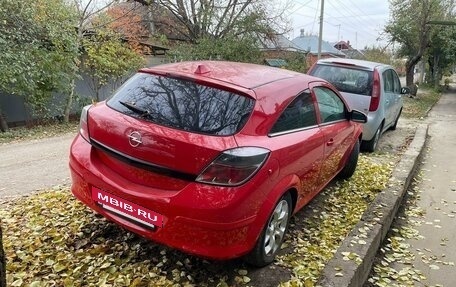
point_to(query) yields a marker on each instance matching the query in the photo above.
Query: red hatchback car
(213, 158)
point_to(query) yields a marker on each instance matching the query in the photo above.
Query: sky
(359, 21)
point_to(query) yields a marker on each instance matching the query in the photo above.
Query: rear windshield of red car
(345, 79)
(182, 104)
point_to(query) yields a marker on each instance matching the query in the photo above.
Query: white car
(373, 88)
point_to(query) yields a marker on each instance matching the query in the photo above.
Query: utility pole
(320, 36)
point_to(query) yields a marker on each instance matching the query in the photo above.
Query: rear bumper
(369, 128)
(212, 222)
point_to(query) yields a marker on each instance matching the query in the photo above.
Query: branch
(85, 14)
(127, 13)
(179, 13)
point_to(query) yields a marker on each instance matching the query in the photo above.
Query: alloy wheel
(276, 227)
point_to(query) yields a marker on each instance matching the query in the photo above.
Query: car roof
(353, 62)
(244, 75)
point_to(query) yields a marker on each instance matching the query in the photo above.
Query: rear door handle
(330, 142)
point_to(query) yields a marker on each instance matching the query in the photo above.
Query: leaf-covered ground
(395, 249)
(327, 221)
(53, 240)
(395, 265)
(37, 132)
(419, 106)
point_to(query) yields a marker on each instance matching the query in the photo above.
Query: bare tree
(196, 19)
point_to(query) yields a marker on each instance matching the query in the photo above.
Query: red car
(213, 158)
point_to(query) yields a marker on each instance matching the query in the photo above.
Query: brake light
(234, 166)
(376, 92)
(83, 123)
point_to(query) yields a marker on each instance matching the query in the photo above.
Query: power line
(359, 9)
(302, 5)
(361, 24)
(360, 16)
(350, 20)
(315, 19)
(305, 25)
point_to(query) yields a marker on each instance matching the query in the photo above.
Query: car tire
(352, 161)
(394, 126)
(371, 146)
(273, 234)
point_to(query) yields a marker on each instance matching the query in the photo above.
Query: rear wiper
(134, 108)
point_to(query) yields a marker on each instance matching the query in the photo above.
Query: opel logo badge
(135, 139)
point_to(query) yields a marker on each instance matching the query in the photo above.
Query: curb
(354, 269)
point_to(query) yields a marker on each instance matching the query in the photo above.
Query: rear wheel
(273, 233)
(371, 146)
(394, 126)
(351, 164)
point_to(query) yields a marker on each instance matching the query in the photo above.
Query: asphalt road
(29, 166)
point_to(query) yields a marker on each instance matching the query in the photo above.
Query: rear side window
(388, 81)
(300, 113)
(330, 105)
(346, 79)
(397, 83)
(182, 104)
(391, 82)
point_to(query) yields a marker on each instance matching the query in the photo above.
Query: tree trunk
(436, 70)
(3, 122)
(422, 67)
(150, 17)
(2, 262)
(410, 72)
(97, 92)
(69, 103)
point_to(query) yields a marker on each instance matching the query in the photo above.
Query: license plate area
(127, 208)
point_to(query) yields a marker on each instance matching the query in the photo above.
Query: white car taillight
(234, 166)
(83, 123)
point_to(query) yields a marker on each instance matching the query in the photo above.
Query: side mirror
(405, 90)
(358, 117)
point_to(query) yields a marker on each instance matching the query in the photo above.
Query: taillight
(83, 123)
(376, 92)
(234, 166)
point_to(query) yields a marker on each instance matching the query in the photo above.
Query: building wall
(313, 58)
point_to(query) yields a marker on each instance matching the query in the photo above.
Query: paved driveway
(33, 165)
